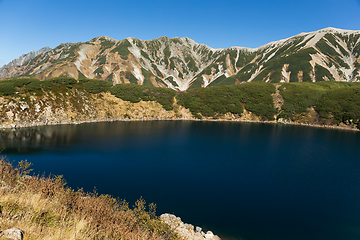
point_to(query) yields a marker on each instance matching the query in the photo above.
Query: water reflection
(32, 140)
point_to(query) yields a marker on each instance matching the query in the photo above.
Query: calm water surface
(240, 180)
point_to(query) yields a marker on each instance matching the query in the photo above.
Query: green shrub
(122, 49)
(191, 64)
(167, 52)
(146, 75)
(298, 97)
(33, 85)
(257, 98)
(342, 105)
(21, 82)
(99, 70)
(223, 80)
(95, 86)
(81, 75)
(172, 81)
(10, 86)
(7, 88)
(321, 72)
(145, 55)
(219, 100)
(106, 44)
(136, 93)
(102, 60)
(110, 77)
(159, 74)
(196, 83)
(58, 82)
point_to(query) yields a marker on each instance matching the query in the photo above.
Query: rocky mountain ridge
(24, 58)
(180, 63)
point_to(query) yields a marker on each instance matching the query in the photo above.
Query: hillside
(180, 63)
(31, 102)
(45, 208)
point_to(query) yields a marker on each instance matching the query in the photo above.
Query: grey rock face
(181, 63)
(185, 230)
(26, 57)
(12, 234)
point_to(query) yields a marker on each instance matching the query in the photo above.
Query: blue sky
(30, 25)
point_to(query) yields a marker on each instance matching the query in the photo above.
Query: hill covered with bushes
(29, 101)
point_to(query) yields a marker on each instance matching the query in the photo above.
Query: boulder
(185, 230)
(12, 234)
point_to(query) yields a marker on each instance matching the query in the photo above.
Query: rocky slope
(12, 67)
(30, 102)
(75, 106)
(180, 63)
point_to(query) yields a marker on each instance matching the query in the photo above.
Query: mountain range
(329, 54)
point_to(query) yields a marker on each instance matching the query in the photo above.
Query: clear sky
(28, 25)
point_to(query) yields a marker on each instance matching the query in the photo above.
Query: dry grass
(44, 208)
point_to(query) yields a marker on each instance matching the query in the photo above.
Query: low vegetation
(340, 106)
(59, 82)
(219, 100)
(122, 49)
(10, 86)
(136, 93)
(45, 208)
(95, 86)
(330, 102)
(329, 99)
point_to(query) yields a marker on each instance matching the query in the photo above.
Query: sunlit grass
(45, 208)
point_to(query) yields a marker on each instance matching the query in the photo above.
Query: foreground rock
(186, 230)
(12, 234)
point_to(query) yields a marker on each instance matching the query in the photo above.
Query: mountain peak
(26, 57)
(182, 63)
(338, 30)
(100, 38)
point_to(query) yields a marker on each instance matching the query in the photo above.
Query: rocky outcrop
(12, 234)
(75, 106)
(6, 70)
(185, 230)
(278, 100)
(27, 57)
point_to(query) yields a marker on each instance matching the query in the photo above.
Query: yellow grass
(44, 208)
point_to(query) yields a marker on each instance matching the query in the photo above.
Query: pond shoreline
(50, 123)
(221, 164)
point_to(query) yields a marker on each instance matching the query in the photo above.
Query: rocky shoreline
(77, 107)
(185, 230)
(49, 123)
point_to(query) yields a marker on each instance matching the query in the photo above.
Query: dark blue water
(240, 180)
